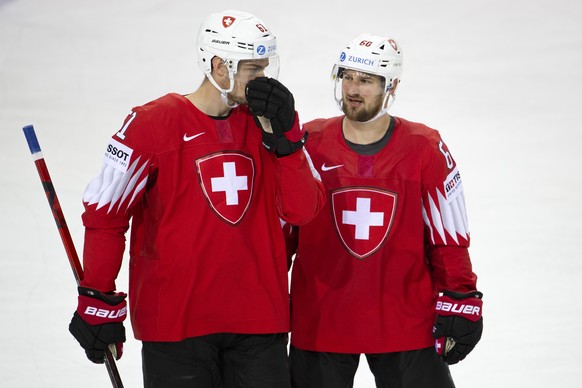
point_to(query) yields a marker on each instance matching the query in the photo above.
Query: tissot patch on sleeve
(118, 155)
(453, 185)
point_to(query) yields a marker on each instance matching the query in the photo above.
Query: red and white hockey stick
(59, 217)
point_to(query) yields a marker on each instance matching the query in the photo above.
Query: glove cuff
(468, 306)
(463, 295)
(296, 131)
(97, 308)
(285, 147)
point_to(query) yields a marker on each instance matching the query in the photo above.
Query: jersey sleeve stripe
(447, 218)
(137, 190)
(111, 180)
(435, 217)
(121, 187)
(113, 187)
(311, 166)
(428, 224)
(131, 184)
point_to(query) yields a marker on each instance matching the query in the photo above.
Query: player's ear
(220, 72)
(218, 67)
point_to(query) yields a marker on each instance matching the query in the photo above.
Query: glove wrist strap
(97, 312)
(469, 308)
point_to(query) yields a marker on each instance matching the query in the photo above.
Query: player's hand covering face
(248, 71)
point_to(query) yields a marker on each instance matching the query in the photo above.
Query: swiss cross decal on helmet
(227, 21)
(235, 36)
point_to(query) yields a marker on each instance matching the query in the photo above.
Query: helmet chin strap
(224, 92)
(386, 104)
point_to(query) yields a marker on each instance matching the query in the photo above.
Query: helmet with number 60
(234, 36)
(373, 55)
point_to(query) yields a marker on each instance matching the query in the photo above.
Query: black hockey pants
(411, 369)
(221, 360)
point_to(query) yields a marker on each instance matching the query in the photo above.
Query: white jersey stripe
(311, 166)
(113, 187)
(428, 224)
(111, 179)
(435, 216)
(132, 181)
(122, 186)
(458, 218)
(462, 209)
(138, 188)
(447, 216)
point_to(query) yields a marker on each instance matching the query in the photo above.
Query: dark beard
(362, 115)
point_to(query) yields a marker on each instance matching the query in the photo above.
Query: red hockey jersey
(393, 234)
(207, 252)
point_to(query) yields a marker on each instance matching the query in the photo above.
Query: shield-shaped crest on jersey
(226, 179)
(363, 217)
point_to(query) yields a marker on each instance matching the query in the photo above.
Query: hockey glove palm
(269, 98)
(98, 322)
(459, 324)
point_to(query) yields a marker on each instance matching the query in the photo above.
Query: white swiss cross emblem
(227, 180)
(227, 21)
(363, 218)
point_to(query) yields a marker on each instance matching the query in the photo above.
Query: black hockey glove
(98, 322)
(269, 98)
(458, 325)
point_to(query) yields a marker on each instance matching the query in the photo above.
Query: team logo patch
(227, 21)
(453, 186)
(226, 179)
(117, 155)
(363, 218)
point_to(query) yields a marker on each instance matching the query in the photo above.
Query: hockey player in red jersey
(384, 269)
(206, 179)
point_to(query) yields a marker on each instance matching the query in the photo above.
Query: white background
(500, 79)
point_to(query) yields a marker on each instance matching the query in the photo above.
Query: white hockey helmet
(370, 54)
(234, 36)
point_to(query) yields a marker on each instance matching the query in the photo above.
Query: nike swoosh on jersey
(188, 138)
(327, 168)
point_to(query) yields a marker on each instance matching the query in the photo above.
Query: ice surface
(500, 79)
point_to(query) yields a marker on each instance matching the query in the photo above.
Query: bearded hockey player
(384, 269)
(205, 179)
